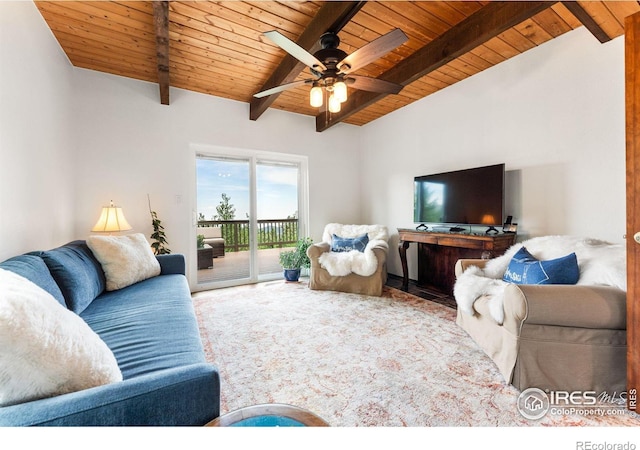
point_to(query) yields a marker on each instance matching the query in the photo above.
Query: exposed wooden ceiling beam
(332, 16)
(486, 23)
(161, 26)
(586, 20)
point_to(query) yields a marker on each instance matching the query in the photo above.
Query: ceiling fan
(333, 69)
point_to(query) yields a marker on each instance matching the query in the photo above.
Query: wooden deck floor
(235, 265)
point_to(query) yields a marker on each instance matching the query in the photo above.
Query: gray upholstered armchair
(345, 270)
(551, 336)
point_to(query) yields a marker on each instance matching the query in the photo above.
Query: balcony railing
(272, 233)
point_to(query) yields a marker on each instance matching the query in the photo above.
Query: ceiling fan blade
(282, 87)
(372, 51)
(373, 85)
(295, 50)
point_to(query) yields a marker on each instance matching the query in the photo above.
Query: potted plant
(159, 244)
(294, 260)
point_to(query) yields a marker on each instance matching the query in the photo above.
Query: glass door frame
(253, 157)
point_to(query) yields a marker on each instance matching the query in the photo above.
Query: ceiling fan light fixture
(334, 104)
(315, 96)
(332, 68)
(340, 91)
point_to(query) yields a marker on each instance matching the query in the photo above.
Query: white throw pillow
(125, 259)
(45, 349)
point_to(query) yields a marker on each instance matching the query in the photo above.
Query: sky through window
(277, 188)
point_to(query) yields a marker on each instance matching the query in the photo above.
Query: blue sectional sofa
(151, 329)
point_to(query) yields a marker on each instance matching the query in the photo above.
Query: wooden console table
(438, 253)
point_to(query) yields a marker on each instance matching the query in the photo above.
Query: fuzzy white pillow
(45, 349)
(125, 259)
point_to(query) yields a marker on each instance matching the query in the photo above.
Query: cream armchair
(555, 337)
(355, 272)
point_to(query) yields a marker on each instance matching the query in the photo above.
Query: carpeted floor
(354, 360)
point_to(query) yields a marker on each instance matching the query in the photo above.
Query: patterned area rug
(355, 360)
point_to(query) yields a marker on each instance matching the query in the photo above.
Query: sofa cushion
(77, 273)
(125, 259)
(149, 326)
(341, 244)
(45, 349)
(34, 269)
(524, 268)
(210, 232)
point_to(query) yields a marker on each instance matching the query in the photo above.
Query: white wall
(129, 145)
(36, 144)
(554, 116)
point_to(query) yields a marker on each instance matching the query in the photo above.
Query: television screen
(472, 196)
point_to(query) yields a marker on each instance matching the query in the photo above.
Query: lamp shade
(111, 220)
(340, 91)
(334, 104)
(315, 96)
(488, 219)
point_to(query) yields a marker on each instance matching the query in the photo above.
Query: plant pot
(291, 274)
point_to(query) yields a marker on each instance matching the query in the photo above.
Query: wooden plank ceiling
(217, 48)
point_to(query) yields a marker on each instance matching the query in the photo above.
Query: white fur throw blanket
(340, 264)
(600, 263)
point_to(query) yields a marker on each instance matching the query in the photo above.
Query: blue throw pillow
(340, 244)
(34, 269)
(525, 268)
(77, 272)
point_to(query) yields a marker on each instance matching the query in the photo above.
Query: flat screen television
(471, 197)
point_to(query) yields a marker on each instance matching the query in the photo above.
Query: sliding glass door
(277, 212)
(224, 204)
(248, 210)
